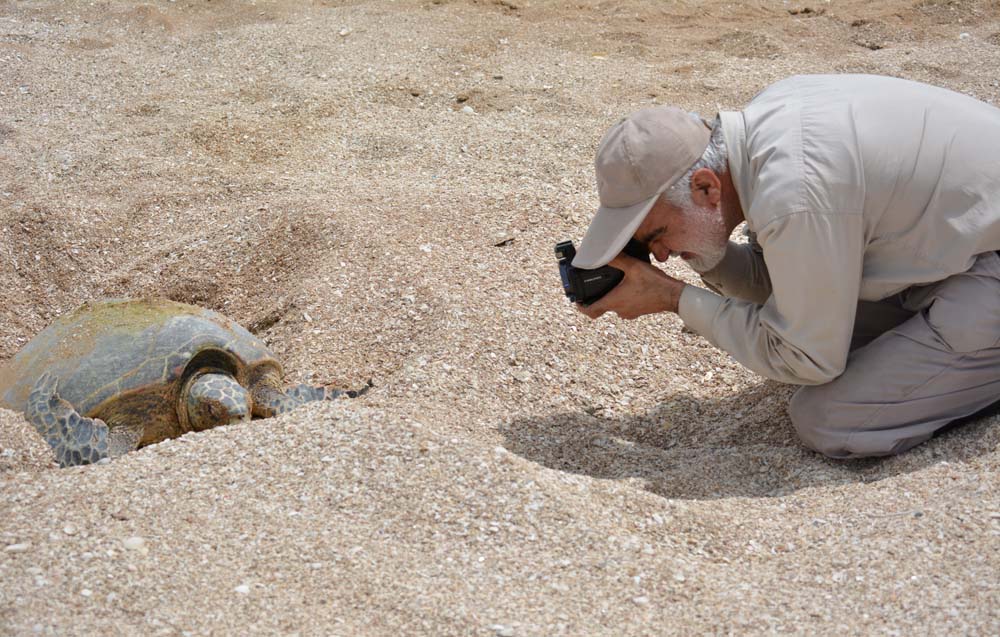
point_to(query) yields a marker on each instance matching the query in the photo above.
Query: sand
(375, 189)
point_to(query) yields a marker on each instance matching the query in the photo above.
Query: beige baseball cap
(639, 158)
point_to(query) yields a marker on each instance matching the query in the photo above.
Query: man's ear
(706, 188)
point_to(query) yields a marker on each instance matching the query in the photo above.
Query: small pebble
(502, 631)
(501, 239)
(18, 548)
(86, 592)
(134, 543)
(468, 110)
(641, 600)
(521, 375)
(242, 589)
(69, 529)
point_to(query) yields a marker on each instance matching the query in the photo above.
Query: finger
(612, 301)
(591, 310)
(607, 303)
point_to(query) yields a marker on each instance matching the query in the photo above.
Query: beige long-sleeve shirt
(856, 188)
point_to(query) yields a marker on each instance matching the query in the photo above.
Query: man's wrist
(672, 295)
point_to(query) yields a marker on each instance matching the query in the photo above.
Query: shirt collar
(734, 131)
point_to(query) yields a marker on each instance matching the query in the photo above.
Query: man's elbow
(798, 368)
(818, 374)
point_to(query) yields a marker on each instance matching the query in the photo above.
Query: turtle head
(214, 399)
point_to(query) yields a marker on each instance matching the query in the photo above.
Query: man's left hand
(646, 289)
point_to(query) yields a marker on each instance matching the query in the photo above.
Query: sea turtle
(112, 376)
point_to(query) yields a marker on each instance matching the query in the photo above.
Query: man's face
(697, 235)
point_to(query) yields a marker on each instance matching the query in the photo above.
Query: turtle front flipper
(309, 393)
(269, 399)
(76, 440)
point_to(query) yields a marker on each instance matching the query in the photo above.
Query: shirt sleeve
(741, 274)
(802, 333)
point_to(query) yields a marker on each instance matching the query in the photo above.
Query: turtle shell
(125, 361)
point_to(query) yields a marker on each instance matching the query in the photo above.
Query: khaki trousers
(920, 360)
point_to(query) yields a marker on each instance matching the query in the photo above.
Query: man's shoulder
(802, 150)
(844, 85)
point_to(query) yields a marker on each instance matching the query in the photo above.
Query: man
(873, 210)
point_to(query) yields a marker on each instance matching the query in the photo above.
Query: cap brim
(609, 232)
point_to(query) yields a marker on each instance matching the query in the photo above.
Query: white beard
(707, 261)
(710, 245)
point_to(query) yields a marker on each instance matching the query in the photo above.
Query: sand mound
(346, 519)
(375, 189)
(21, 448)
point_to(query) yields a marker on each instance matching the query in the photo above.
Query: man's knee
(809, 411)
(838, 430)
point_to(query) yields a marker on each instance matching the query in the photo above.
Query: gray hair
(715, 158)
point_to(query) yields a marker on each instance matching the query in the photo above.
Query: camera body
(586, 286)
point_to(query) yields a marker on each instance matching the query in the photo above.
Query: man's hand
(646, 289)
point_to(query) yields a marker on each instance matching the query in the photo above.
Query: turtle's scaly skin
(126, 362)
(74, 439)
(214, 399)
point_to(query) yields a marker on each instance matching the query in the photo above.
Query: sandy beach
(374, 189)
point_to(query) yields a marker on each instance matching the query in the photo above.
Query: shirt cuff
(697, 307)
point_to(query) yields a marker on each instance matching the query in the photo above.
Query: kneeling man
(871, 276)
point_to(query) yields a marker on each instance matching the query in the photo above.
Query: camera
(586, 286)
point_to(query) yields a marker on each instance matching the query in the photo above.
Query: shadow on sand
(739, 446)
